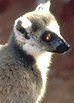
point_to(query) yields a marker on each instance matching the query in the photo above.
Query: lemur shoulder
(25, 58)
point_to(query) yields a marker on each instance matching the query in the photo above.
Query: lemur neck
(21, 55)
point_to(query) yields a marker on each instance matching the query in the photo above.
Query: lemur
(25, 59)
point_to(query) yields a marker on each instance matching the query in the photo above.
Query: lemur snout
(63, 47)
(59, 45)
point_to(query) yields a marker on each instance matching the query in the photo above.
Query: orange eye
(46, 37)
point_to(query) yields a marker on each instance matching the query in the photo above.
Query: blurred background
(60, 88)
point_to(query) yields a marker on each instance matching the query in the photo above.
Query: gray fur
(19, 83)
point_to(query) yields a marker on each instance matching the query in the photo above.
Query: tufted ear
(43, 7)
(23, 25)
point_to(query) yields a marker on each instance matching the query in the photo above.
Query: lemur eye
(46, 36)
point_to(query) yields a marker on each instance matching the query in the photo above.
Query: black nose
(63, 48)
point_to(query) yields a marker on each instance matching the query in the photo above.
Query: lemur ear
(43, 7)
(23, 27)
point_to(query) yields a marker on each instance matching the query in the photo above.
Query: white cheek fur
(53, 26)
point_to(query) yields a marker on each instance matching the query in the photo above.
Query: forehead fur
(39, 19)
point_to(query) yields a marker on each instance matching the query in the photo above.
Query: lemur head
(38, 31)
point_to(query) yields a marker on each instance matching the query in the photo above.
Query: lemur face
(39, 31)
